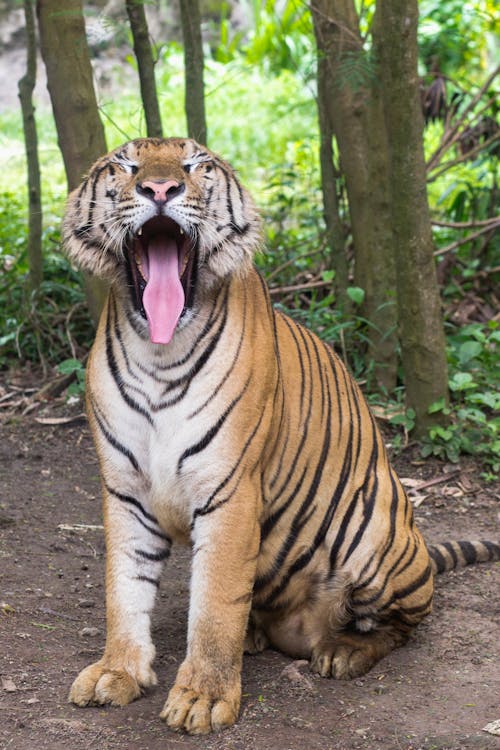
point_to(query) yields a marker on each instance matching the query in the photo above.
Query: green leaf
(356, 294)
(438, 405)
(469, 350)
(461, 381)
(328, 275)
(69, 365)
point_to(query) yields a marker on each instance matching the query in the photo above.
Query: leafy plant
(46, 327)
(70, 367)
(474, 411)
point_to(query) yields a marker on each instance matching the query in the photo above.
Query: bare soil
(436, 693)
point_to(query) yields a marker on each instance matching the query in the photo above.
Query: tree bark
(335, 234)
(26, 86)
(354, 109)
(193, 65)
(420, 317)
(69, 80)
(146, 66)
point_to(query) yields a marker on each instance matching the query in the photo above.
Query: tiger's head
(166, 218)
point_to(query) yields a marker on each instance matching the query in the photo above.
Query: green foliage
(474, 383)
(279, 39)
(457, 35)
(405, 419)
(73, 366)
(262, 75)
(47, 327)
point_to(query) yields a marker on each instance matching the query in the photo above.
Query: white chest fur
(155, 410)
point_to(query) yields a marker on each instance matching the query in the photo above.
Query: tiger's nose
(160, 191)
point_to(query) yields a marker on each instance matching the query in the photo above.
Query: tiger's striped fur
(244, 436)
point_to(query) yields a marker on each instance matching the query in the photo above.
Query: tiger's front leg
(207, 691)
(136, 549)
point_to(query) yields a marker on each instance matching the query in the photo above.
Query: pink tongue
(163, 297)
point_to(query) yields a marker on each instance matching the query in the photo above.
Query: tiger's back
(222, 423)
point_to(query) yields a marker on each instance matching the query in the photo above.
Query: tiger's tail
(451, 555)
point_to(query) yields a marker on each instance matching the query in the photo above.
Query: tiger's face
(166, 218)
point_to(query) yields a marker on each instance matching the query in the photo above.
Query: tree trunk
(420, 317)
(26, 86)
(335, 234)
(353, 102)
(146, 65)
(193, 65)
(69, 80)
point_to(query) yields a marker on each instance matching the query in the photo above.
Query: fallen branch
(60, 420)
(435, 480)
(79, 527)
(299, 287)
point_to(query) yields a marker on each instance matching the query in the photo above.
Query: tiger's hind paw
(255, 640)
(342, 663)
(352, 655)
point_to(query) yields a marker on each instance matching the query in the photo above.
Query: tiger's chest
(158, 433)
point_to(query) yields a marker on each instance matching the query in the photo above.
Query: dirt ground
(436, 693)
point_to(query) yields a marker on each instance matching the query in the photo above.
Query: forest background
(369, 138)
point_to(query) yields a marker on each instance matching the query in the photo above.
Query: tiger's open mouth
(162, 266)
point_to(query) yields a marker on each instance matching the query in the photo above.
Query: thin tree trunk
(193, 65)
(355, 112)
(69, 79)
(334, 231)
(146, 65)
(26, 86)
(420, 317)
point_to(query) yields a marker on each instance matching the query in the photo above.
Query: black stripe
(438, 559)
(154, 532)
(301, 361)
(398, 495)
(369, 505)
(212, 432)
(413, 586)
(153, 556)
(270, 522)
(94, 179)
(304, 427)
(231, 366)
(132, 501)
(468, 551)
(452, 552)
(418, 609)
(332, 358)
(302, 517)
(112, 440)
(207, 508)
(113, 368)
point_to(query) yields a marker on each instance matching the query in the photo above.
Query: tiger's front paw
(104, 682)
(199, 709)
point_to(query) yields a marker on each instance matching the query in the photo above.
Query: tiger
(221, 423)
